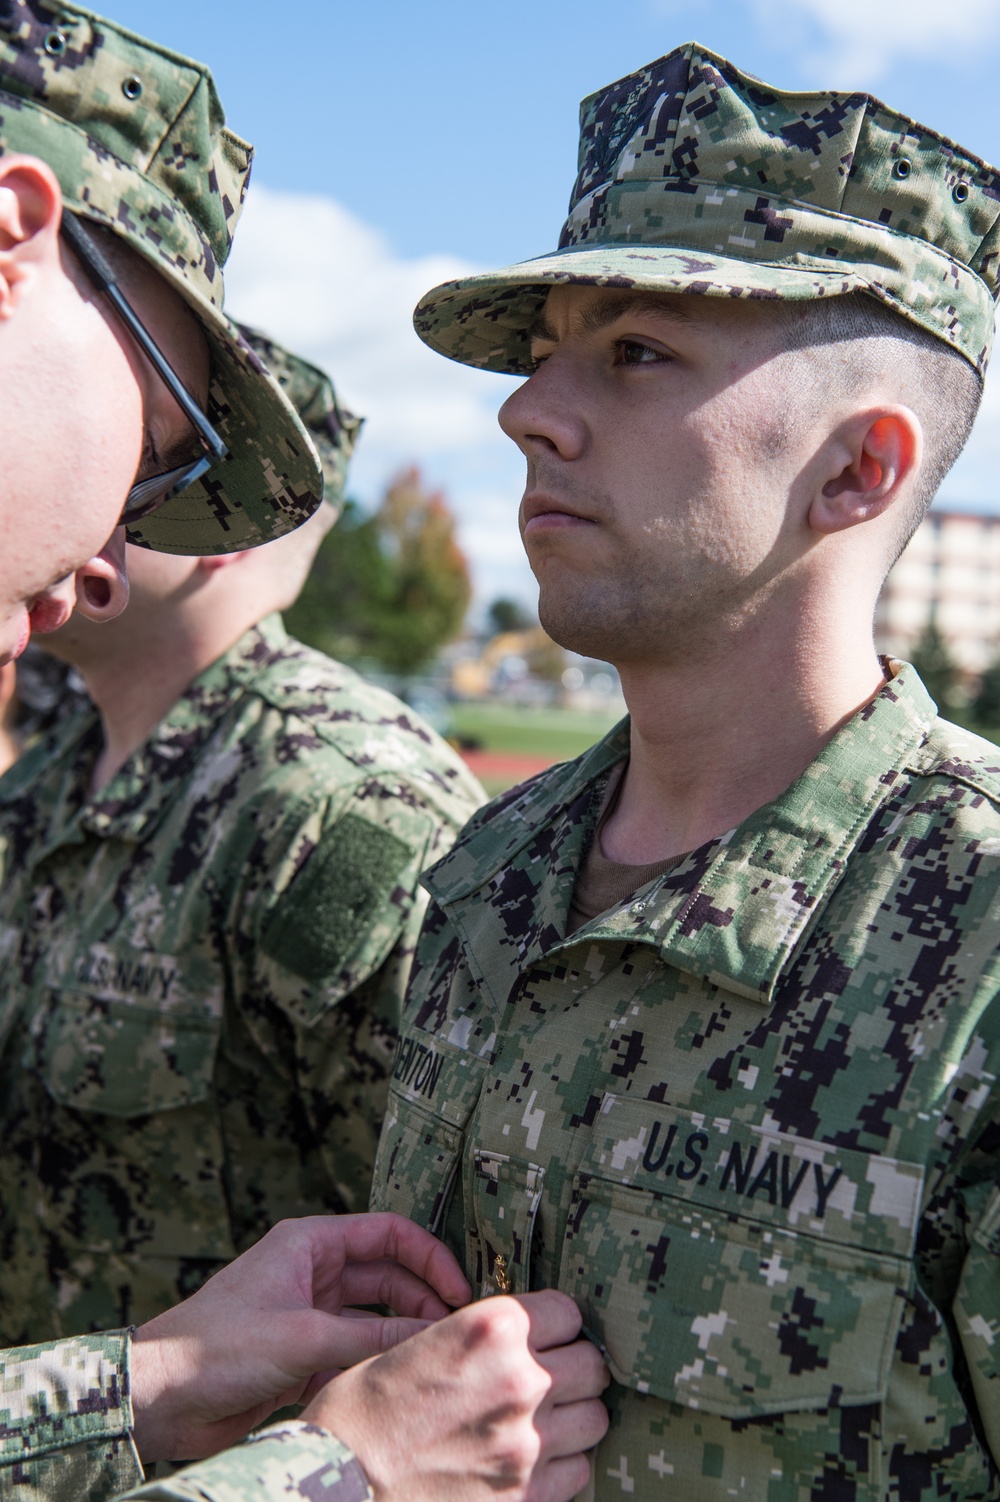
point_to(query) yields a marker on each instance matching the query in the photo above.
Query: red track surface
(505, 766)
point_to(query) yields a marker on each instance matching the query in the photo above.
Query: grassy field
(555, 733)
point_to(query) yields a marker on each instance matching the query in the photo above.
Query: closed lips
(541, 511)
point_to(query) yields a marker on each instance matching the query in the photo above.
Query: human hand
(498, 1401)
(258, 1333)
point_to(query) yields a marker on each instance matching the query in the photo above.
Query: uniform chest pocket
(99, 1051)
(433, 1092)
(756, 1278)
(504, 1195)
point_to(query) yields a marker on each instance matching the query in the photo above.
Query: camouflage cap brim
(485, 320)
(137, 139)
(695, 177)
(333, 429)
(270, 481)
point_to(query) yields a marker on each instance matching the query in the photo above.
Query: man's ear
(874, 455)
(102, 582)
(30, 214)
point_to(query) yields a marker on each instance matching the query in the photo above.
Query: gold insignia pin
(501, 1282)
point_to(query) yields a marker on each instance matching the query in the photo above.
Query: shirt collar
(733, 911)
(133, 801)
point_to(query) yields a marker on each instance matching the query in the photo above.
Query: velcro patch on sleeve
(317, 924)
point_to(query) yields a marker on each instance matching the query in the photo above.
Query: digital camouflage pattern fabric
(749, 1119)
(696, 177)
(203, 971)
(65, 1434)
(294, 1460)
(65, 1420)
(137, 138)
(333, 429)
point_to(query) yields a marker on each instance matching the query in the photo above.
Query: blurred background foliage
(389, 588)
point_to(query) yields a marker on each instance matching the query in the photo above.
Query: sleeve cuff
(63, 1393)
(292, 1459)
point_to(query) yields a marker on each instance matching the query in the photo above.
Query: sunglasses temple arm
(103, 275)
(207, 433)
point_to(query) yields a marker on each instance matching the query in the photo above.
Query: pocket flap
(126, 1033)
(717, 1268)
(120, 1060)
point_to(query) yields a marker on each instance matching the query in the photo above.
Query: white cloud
(313, 276)
(859, 40)
(853, 43)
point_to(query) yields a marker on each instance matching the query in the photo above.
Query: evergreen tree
(936, 667)
(508, 615)
(985, 706)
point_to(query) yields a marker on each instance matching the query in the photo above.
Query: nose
(102, 582)
(545, 415)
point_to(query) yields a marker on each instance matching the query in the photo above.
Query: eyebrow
(181, 451)
(603, 312)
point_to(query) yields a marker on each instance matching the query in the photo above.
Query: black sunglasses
(147, 495)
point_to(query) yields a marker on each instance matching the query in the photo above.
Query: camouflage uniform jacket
(205, 967)
(749, 1119)
(65, 1435)
(287, 1461)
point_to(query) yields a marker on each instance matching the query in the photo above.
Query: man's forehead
(590, 309)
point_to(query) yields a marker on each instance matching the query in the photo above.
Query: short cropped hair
(874, 343)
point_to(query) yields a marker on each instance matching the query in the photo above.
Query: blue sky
(398, 144)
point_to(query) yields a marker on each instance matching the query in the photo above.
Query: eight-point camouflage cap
(696, 177)
(136, 136)
(333, 429)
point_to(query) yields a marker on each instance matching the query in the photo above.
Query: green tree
(936, 667)
(507, 615)
(392, 587)
(985, 707)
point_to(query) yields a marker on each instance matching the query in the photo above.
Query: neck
(136, 686)
(716, 738)
(131, 710)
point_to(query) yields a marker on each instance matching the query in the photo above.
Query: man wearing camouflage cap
(116, 404)
(209, 891)
(129, 140)
(711, 1013)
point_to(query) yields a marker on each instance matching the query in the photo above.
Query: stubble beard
(622, 618)
(647, 602)
(635, 614)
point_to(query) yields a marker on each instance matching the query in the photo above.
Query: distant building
(951, 570)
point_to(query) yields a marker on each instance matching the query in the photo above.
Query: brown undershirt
(602, 884)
